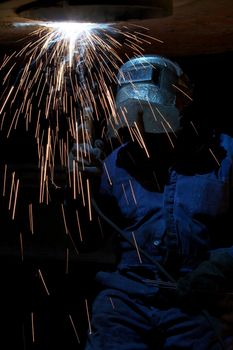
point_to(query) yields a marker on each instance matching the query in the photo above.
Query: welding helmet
(152, 93)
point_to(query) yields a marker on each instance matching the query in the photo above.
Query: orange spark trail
(74, 328)
(43, 281)
(136, 246)
(88, 316)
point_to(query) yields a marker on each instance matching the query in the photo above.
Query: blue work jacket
(179, 223)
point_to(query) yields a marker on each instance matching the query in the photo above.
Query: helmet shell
(147, 94)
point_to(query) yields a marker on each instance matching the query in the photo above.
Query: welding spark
(88, 316)
(21, 246)
(33, 327)
(74, 328)
(137, 249)
(43, 281)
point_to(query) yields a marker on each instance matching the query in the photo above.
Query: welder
(166, 191)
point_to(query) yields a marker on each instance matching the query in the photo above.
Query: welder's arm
(87, 158)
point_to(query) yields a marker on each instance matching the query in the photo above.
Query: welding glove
(87, 154)
(87, 157)
(208, 285)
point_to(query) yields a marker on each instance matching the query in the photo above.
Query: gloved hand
(89, 158)
(208, 285)
(87, 154)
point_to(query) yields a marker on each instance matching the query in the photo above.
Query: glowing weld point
(66, 30)
(73, 30)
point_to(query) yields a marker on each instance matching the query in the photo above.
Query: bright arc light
(73, 30)
(73, 35)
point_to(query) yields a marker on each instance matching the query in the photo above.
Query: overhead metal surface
(101, 11)
(89, 10)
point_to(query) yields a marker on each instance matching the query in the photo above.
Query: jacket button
(156, 242)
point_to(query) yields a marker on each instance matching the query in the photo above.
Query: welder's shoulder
(111, 158)
(226, 142)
